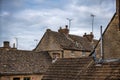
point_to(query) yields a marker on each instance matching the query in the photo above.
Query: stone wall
(32, 77)
(75, 54)
(70, 54)
(111, 40)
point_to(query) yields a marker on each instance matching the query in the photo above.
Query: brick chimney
(89, 36)
(65, 30)
(6, 44)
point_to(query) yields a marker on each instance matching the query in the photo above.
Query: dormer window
(56, 55)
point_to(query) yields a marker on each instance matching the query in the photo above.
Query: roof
(67, 68)
(82, 69)
(14, 62)
(69, 42)
(105, 71)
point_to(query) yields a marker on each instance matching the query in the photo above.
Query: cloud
(42, 18)
(30, 22)
(4, 13)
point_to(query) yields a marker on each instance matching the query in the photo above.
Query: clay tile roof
(23, 62)
(82, 69)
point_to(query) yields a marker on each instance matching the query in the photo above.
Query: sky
(26, 21)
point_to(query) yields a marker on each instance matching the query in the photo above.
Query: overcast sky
(27, 20)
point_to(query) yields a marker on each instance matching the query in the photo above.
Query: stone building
(22, 65)
(110, 48)
(61, 44)
(87, 68)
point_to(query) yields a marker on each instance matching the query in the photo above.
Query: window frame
(16, 78)
(26, 78)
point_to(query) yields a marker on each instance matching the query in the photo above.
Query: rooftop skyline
(27, 20)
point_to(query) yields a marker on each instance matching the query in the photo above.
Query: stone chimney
(13, 45)
(89, 36)
(14, 48)
(118, 6)
(48, 30)
(64, 31)
(6, 44)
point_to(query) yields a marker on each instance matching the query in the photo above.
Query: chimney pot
(65, 30)
(13, 45)
(66, 26)
(48, 30)
(89, 36)
(6, 44)
(60, 27)
(91, 33)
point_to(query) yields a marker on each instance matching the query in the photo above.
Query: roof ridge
(68, 34)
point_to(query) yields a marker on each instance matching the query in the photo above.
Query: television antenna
(92, 15)
(70, 20)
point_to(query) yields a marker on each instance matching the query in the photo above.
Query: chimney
(64, 31)
(66, 26)
(13, 45)
(6, 44)
(117, 6)
(118, 12)
(48, 30)
(14, 48)
(89, 36)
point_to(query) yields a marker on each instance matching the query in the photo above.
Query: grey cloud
(29, 24)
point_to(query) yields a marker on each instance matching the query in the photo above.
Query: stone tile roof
(69, 41)
(82, 69)
(23, 62)
(83, 42)
(105, 71)
(67, 69)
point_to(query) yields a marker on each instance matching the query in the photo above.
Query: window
(72, 53)
(17, 78)
(56, 55)
(83, 53)
(26, 78)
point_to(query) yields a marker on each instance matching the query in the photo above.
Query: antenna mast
(92, 15)
(102, 52)
(69, 22)
(16, 39)
(36, 41)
